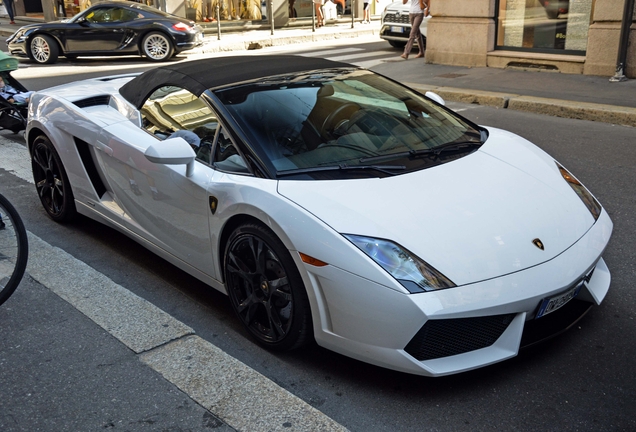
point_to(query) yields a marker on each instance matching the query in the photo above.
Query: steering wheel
(337, 117)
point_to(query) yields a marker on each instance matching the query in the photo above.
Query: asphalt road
(583, 380)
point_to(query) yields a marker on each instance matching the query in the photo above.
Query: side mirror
(172, 151)
(82, 21)
(434, 96)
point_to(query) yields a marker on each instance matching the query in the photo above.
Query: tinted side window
(104, 15)
(128, 15)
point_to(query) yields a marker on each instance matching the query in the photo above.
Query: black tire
(265, 288)
(51, 181)
(397, 44)
(43, 49)
(14, 249)
(156, 46)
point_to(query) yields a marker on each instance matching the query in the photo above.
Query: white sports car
(330, 203)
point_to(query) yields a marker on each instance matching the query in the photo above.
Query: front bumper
(17, 47)
(372, 323)
(395, 32)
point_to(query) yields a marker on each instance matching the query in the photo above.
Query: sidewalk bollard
(353, 8)
(271, 20)
(218, 22)
(313, 17)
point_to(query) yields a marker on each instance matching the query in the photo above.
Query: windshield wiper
(448, 147)
(387, 169)
(435, 151)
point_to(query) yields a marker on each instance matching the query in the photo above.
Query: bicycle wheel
(14, 249)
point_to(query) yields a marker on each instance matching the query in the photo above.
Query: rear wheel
(43, 49)
(265, 288)
(51, 181)
(157, 46)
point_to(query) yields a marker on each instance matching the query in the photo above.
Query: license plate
(395, 29)
(551, 304)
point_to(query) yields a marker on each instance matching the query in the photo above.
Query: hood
(472, 219)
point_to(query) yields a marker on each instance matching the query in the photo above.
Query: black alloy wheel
(51, 182)
(265, 288)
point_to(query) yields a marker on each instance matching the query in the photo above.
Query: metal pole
(313, 16)
(218, 21)
(628, 13)
(353, 8)
(271, 16)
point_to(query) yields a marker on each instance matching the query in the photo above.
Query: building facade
(570, 36)
(255, 11)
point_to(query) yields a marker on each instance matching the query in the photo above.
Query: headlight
(413, 273)
(590, 202)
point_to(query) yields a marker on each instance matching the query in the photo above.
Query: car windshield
(345, 123)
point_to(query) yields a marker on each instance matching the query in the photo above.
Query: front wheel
(51, 181)
(265, 288)
(14, 249)
(157, 46)
(43, 49)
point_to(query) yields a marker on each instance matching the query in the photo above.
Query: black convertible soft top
(199, 75)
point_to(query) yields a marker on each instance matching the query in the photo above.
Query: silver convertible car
(331, 204)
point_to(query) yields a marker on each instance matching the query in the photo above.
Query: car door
(161, 203)
(101, 29)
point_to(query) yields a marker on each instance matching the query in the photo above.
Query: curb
(620, 115)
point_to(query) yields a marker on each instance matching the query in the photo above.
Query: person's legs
(319, 19)
(415, 30)
(8, 5)
(417, 21)
(234, 10)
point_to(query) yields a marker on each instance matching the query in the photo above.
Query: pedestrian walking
(319, 16)
(416, 16)
(8, 5)
(367, 14)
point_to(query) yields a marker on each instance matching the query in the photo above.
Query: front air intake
(443, 338)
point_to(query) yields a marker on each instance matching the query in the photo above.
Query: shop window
(559, 26)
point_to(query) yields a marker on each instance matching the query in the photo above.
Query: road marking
(348, 58)
(237, 394)
(351, 58)
(370, 63)
(326, 53)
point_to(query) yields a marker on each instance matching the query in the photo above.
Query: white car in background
(396, 26)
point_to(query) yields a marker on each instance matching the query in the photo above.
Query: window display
(544, 25)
